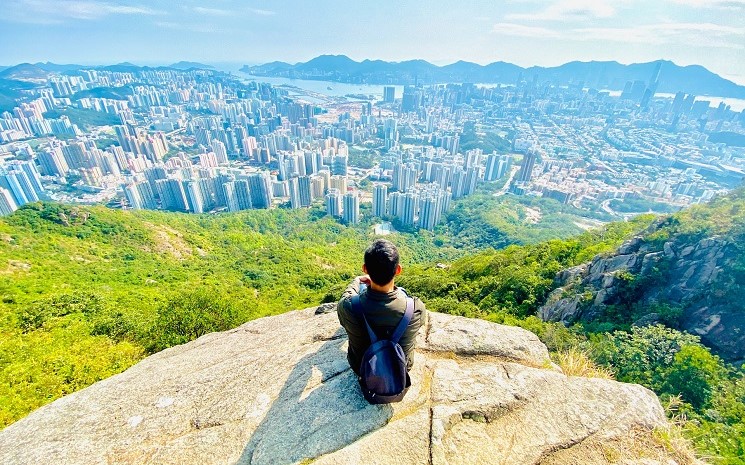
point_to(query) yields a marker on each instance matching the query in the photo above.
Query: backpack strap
(404, 323)
(357, 308)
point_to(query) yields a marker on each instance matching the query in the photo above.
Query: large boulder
(278, 390)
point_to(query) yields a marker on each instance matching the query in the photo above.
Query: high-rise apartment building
(194, 196)
(379, 200)
(52, 162)
(351, 213)
(339, 182)
(7, 203)
(260, 187)
(172, 194)
(333, 202)
(526, 167)
(408, 208)
(140, 196)
(389, 94)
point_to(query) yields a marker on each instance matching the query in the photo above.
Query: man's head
(381, 262)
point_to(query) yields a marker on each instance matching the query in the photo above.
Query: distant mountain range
(598, 74)
(611, 75)
(38, 71)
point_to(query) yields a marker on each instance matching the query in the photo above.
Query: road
(506, 187)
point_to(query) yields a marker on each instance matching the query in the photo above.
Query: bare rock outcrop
(278, 390)
(677, 272)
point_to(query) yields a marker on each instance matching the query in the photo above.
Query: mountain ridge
(602, 74)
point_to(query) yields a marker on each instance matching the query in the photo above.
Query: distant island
(190, 65)
(612, 75)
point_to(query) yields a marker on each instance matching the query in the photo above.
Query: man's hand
(364, 279)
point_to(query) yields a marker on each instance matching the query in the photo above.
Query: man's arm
(353, 288)
(344, 313)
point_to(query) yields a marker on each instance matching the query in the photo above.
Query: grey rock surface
(676, 273)
(278, 390)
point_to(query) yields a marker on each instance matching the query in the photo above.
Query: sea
(339, 89)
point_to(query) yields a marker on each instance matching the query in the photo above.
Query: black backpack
(383, 375)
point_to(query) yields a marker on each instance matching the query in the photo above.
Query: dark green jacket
(383, 312)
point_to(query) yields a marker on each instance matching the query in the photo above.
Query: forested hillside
(88, 292)
(705, 394)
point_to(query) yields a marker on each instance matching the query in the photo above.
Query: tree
(191, 315)
(694, 374)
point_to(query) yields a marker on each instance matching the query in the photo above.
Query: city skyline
(527, 33)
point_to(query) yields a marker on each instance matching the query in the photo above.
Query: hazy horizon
(525, 32)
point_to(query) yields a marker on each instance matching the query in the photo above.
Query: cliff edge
(698, 277)
(278, 390)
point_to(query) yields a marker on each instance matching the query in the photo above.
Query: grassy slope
(60, 284)
(83, 289)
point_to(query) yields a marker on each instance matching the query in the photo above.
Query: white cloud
(56, 11)
(692, 34)
(210, 11)
(200, 28)
(261, 12)
(224, 12)
(519, 30)
(715, 4)
(568, 10)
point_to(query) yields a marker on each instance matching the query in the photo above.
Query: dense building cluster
(204, 141)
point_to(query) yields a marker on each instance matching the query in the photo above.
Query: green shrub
(190, 315)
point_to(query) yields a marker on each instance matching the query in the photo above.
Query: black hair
(381, 260)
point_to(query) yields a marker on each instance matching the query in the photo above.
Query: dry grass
(671, 438)
(574, 362)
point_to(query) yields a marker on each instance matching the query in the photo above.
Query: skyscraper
(306, 194)
(231, 201)
(526, 167)
(294, 186)
(311, 162)
(351, 213)
(52, 162)
(194, 196)
(340, 165)
(458, 187)
(339, 182)
(7, 203)
(333, 202)
(260, 187)
(317, 186)
(472, 177)
(410, 99)
(380, 200)
(20, 187)
(221, 152)
(389, 94)
(430, 212)
(172, 195)
(493, 165)
(140, 196)
(243, 194)
(408, 210)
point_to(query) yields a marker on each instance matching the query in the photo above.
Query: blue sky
(525, 32)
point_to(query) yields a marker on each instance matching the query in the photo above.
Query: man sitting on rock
(382, 303)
